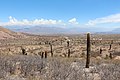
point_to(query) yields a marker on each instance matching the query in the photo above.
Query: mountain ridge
(52, 30)
(8, 34)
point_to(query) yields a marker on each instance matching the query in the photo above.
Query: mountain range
(41, 30)
(49, 30)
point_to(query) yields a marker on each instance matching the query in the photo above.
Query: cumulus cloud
(73, 21)
(108, 19)
(14, 22)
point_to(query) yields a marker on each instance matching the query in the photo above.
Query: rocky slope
(8, 34)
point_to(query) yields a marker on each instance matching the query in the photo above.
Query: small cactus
(110, 56)
(23, 51)
(107, 56)
(8, 49)
(68, 43)
(110, 47)
(88, 51)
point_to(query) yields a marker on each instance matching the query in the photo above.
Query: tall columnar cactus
(45, 54)
(68, 46)
(110, 47)
(42, 55)
(88, 51)
(101, 50)
(51, 49)
(68, 53)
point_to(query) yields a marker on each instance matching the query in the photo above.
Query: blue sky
(104, 14)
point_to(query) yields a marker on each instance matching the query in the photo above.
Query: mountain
(42, 30)
(117, 31)
(51, 30)
(8, 34)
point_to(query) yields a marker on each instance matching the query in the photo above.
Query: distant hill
(41, 30)
(8, 34)
(117, 30)
(45, 30)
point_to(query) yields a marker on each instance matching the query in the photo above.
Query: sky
(97, 14)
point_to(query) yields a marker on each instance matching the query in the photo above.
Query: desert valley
(58, 57)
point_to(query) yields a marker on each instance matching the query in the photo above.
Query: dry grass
(16, 66)
(35, 68)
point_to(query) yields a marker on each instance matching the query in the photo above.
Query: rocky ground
(21, 58)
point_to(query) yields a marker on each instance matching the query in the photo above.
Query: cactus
(24, 51)
(68, 53)
(110, 46)
(100, 51)
(42, 55)
(8, 49)
(110, 56)
(68, 43)
(45, 54)
(51, 49)
(88, 51)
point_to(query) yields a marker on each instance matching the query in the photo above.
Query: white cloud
(108, 19)
(38, 22)
(14, 22)
(73, 21)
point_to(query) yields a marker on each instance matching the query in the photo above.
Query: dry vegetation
(31, 58)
